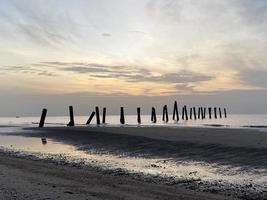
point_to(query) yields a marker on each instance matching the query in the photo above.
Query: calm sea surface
(234, 121)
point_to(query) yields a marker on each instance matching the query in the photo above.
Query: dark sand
(42, 179)
(27, 179)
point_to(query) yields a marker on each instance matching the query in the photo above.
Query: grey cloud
(254, 77)
(106, 34)
(131, 73)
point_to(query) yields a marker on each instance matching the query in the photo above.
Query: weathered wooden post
(175, 115)
(90, 118)
(204, 113)
(97, 115)
(215, 112)
(122, 119)
(225, 114)
(195, 113)
(220, 112)
(209, 112)
(185, 112)
(139, 115)
(104, 115)
(153, 115)
(190, 113)
(165, 116)
(199, 112)
(71, 123)
(42, 120)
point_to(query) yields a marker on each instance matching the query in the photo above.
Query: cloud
(133, 74)
(254, 77)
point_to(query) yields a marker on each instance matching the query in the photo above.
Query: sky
(55, 53)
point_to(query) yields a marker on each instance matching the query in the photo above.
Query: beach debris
(42, 120)
(90, 118)
(153, 115)
(71, 123)
(44, 141)
(122, 119)
(97, 115)
(175, 115)
(165, 116)
(139, 115)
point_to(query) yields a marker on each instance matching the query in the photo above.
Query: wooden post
(220, 112)
(209, 112)
(190, 113)
(90, 118)
(122, 119)
(165, 116)
(215, 112)
(203, 111)
(175, 115)
(199, 112)
(71, 123)
(195, 113)
(139, 115)
(104, 115)
(153, 115)
(42, 120)
(97, 115)
(185, 112)
(225, 114)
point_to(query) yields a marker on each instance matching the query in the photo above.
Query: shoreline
(32, 179)
(211, 145)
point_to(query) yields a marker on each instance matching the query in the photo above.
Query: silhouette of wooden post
(190, 113)
(185, 112)
(215, 112)
(104, 115)
(90, 118)
(42, 120)
(139, 115)
(97, 115)
(225, 114)
(204, 113)
(165, 116)
(209, 112)
(195, 113)
(175, 115)
(220, 112)
(199, 112)
(71, 123)
(122, 119)
(153, 115)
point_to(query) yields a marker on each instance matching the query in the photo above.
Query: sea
(232, 121)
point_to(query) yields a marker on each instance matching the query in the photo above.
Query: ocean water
(232, 121)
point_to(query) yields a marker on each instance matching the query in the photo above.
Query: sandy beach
(30, 177)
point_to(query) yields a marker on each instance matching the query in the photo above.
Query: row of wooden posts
(193, 114)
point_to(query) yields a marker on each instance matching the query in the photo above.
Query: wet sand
(28, 179)
(242, 148)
